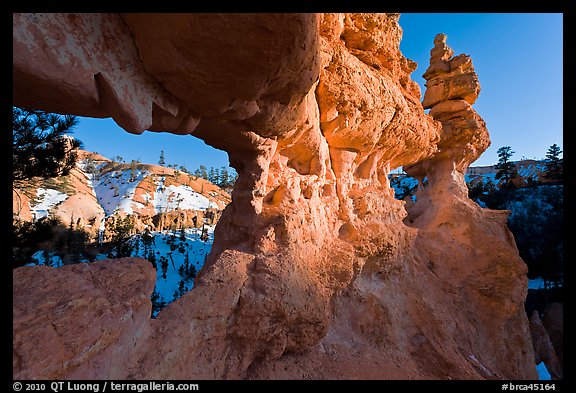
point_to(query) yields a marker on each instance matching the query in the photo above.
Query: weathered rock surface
(313, 273)
(20, 205)
(543, 348)
(83, 321)
(553, 321)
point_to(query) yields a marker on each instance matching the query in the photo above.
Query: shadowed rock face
(313, 273)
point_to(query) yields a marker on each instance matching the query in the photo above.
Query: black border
(567, 7)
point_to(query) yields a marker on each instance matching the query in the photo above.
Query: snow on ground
(183, 197)
(165, 287)
(530, 170)
(537, 283)
(197, 252)
(114, 191)
(48, 198)
(486, 177)
(83, 165)
(399, 183)
(45, 258)
(543, 373)
(409, 182)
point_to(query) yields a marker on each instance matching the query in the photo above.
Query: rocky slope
(316, 270)
(99, 191)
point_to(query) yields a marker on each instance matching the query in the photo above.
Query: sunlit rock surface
(316, 270)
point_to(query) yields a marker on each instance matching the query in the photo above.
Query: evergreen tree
(553, 163)
(152, 258)
(211, 175)
(224, 177)
(203, 172)
(132, 171)
(47, 258)
(121, 232)
(216, 176)
(158, 303)
(164, 266)
(90, 166)
(40, 146)
(147, 238)
(506, 168)
(161, 161)
(180, 291)
(232, 179)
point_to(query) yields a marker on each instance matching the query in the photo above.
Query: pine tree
(180, 291)
(223, 177)
(152, 258)
(232, 179)
(506, 168)
(216, 176)
(203, 172)
(132, 171)
(164, 266)
(46, 257)
(553, 163)
(121, 232)
(40, 145)
(89, 166)
(211, 175)
(158, 302)
(161, 161)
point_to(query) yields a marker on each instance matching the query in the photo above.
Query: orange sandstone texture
(316, 270)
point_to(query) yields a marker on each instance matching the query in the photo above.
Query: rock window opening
(115, 207)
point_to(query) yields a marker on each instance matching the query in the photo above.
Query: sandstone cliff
(316, 270)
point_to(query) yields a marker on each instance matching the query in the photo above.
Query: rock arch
(313, 273)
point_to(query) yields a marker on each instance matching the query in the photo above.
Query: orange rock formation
(313, 272)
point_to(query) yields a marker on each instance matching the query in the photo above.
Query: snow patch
(537, 283)
(542, 371)
(48, 198)
(45, 258)
(179, 197)
(114, 191)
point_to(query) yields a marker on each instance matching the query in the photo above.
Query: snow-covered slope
(179, 197)
(152, 189)
(124, 189)
(45, 200)
(115, 190)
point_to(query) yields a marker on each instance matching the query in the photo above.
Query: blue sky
(518, 58)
